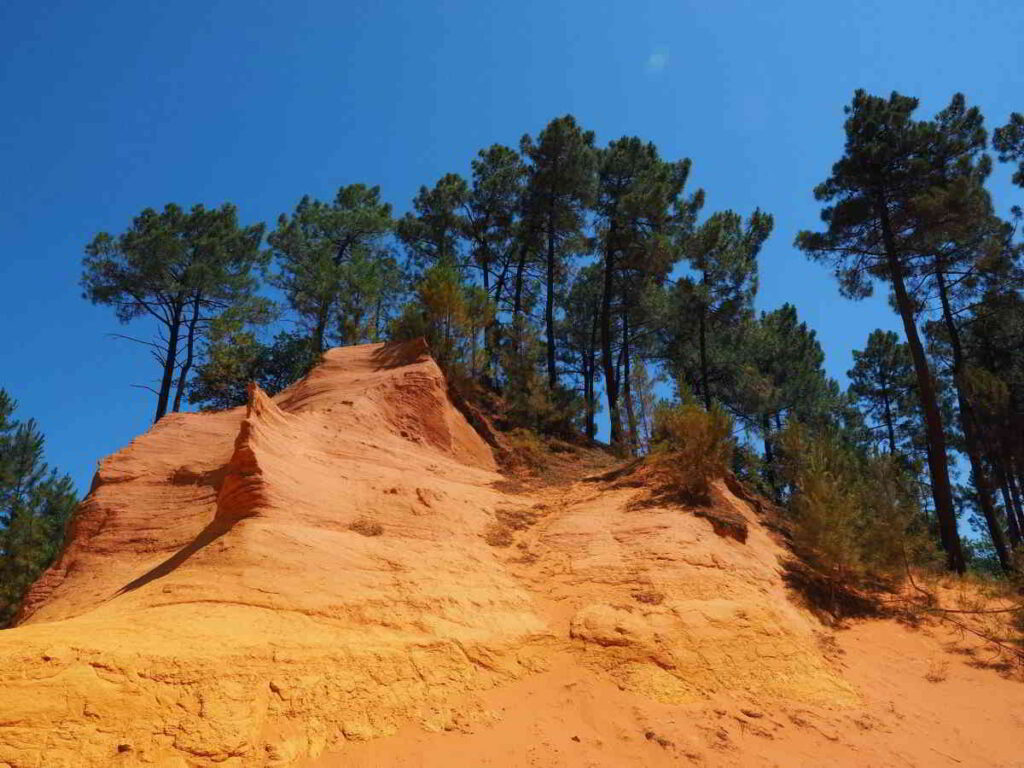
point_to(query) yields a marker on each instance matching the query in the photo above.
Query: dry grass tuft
(649, 597)
(498, 535)
(527, 448)
(938, 670)
(516, 519)
(366, 526)
(694, 446)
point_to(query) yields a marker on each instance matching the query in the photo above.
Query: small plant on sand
(527, 447)
(498, 535)
(366, 526)
(694, 446)
(649, 596)
(938, 670)
(516, 519)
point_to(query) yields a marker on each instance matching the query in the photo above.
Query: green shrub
(527, 447)
(854, 515)
(694, 445)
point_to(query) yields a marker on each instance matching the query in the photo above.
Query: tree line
(570, 279)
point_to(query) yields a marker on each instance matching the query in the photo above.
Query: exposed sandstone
(314, 572)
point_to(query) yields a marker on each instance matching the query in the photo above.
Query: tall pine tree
(873, 226)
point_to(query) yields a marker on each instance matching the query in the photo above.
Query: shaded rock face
(256, 586)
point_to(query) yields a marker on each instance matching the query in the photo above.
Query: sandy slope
(339, 576)
(569, 716)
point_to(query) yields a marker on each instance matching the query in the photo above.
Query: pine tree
(234, 357)
(1008, 141)
(369, 288)
(433, 233)
(326, 249)
(560, 185)
(723, 253)
(994, 338)
(183, 270)
(439, 313)
(493, 230)
(882, 385)
(35, 504)
(582, 339)
(782, 380)
(641, 217)
(874, 224)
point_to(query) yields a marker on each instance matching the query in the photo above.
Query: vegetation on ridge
(581, 282)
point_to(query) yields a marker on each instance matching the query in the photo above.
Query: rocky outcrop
(214, 606)
(259, 586)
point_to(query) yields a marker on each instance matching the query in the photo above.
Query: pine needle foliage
(35, 504)
(695, 445)
(854, 515)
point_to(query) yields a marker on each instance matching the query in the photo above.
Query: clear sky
(109, 107)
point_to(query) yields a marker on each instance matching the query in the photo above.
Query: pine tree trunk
(472, 353)
(611, 385)
(494, 327)
(549, 306)
(968, 425)
(321, 328)
(517, 306)
(487, 328)
(890, 430)
(170, 360)
(769, 455)
(703, 332)
(627, 384)
(644, 420)
(1011, 512)
(588, 396)
(189, 354)
(1018, 507)
(938, 465)
(591, 356)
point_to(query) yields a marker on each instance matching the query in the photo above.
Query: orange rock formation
(298, 581)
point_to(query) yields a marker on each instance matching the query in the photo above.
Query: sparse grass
(366, 526)
(512, 485)
(938, 670)
(508, 520)
(531, 460)
(498, 535)
(661, 741)
(527, 448)
(649, 597)
(516, 519)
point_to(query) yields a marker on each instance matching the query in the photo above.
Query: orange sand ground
(339, 576)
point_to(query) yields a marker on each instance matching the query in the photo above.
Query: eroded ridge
(219, 603)
(245, 490)
(341, 561)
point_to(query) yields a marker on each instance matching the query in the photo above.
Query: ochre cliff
(303, 578)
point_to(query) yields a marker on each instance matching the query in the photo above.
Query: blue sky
(111, 107)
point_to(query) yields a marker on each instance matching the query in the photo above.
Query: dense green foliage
(573, 279)
(855, 514)
(35, 503)
(906, 206)
(236, 357)
(184, 270)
